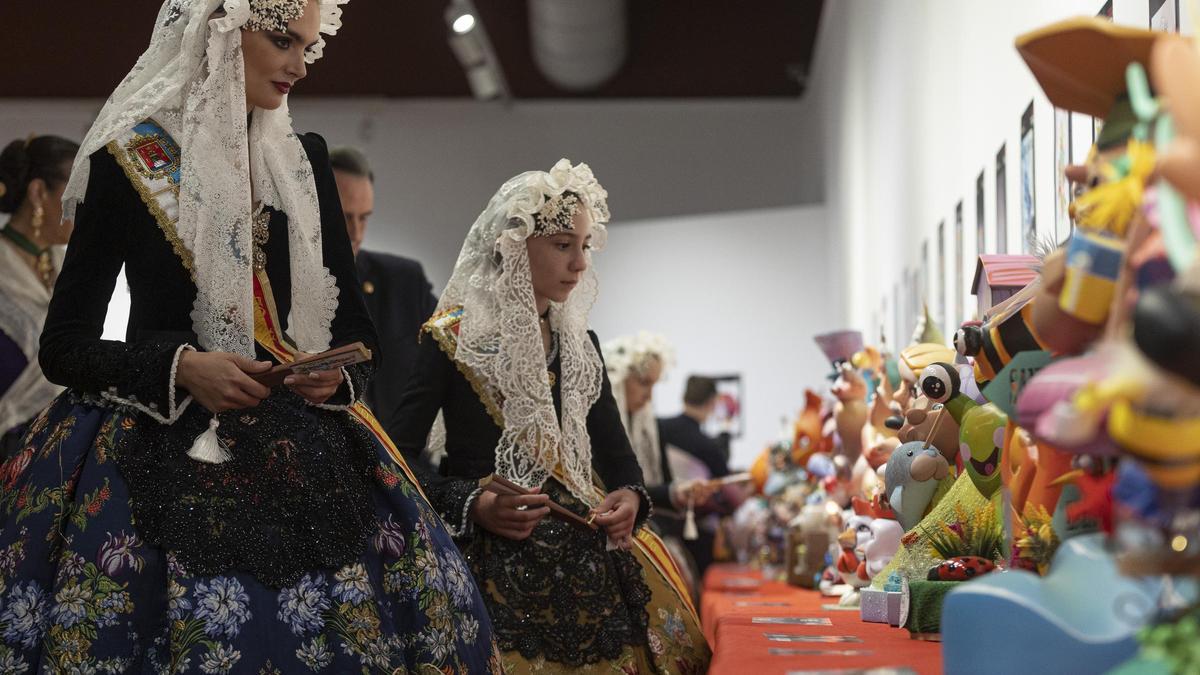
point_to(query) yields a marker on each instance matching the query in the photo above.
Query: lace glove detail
(354, 383)
(646, 509)
(140, 376)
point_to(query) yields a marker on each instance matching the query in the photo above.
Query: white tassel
(208, 447)
(690, 533)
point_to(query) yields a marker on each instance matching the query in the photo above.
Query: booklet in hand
(502, 486)
(338, 357)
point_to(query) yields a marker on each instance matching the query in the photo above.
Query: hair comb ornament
(274, 14)
(556, 214)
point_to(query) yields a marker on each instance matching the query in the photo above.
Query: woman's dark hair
(23, 161)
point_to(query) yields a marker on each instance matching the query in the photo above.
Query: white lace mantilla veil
(500, 340)
(191, 80)
(622, 357)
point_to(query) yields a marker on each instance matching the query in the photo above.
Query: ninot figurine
(981, 427)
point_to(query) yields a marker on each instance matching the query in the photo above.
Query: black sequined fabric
(559, 594)
(137, 372)
(449, 499)
(294, 498)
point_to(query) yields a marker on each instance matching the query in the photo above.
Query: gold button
(368, 287)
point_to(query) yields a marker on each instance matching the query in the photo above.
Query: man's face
(358, 203)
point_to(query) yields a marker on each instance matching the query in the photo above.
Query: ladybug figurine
(961, 568)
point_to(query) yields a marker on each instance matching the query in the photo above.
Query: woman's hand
(617, 515)
(509, 516)
(221, 381)
(698, 491)
(317, 386)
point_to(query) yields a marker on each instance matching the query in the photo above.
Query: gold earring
(39, 214)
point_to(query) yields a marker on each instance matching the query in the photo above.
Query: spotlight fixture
(469, 41)
(463, 23)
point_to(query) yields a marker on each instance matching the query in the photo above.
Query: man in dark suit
(398, 296)
(684, 434)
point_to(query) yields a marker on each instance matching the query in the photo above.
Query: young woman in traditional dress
(518, 377)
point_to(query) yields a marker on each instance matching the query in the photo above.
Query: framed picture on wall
(1001, 202)
(957, 319)
(1164, 15)
(925, 271)
(941, 272)
(882, 322)
(914, 297)
(1062, 186)
(896, 335)
(980, 238)
(1028, 187)
(727, 417)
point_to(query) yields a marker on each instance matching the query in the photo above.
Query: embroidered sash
(151, 161)
(268, 334)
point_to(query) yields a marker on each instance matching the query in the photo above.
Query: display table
(734, 597)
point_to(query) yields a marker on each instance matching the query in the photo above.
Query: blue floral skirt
(81, 592)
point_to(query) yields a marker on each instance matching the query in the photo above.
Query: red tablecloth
(740, 646)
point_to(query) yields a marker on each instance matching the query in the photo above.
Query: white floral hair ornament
(546, 202)
(632, 354)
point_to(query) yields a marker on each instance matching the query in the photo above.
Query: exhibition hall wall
(738, 293)
(917, 99)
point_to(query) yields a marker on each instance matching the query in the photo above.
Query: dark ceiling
(397, 48)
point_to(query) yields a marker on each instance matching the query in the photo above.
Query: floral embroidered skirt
(81, 592)
(561, 602)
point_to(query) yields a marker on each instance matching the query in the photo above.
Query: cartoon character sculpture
(788, 458)
(854, 541)
(922, 421)
(981, 427)
(850, 412)
(911, 480)
(1007, 331)
(886, 534)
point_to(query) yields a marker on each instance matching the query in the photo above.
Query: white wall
(437, 162)
(916, 99)
(735, 293)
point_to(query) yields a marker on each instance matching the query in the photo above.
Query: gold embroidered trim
(164, 223)
(440, 326)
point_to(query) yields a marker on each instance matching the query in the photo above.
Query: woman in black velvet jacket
(518, 378)
(169, 513)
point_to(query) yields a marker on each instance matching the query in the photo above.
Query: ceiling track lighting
(469, 41)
